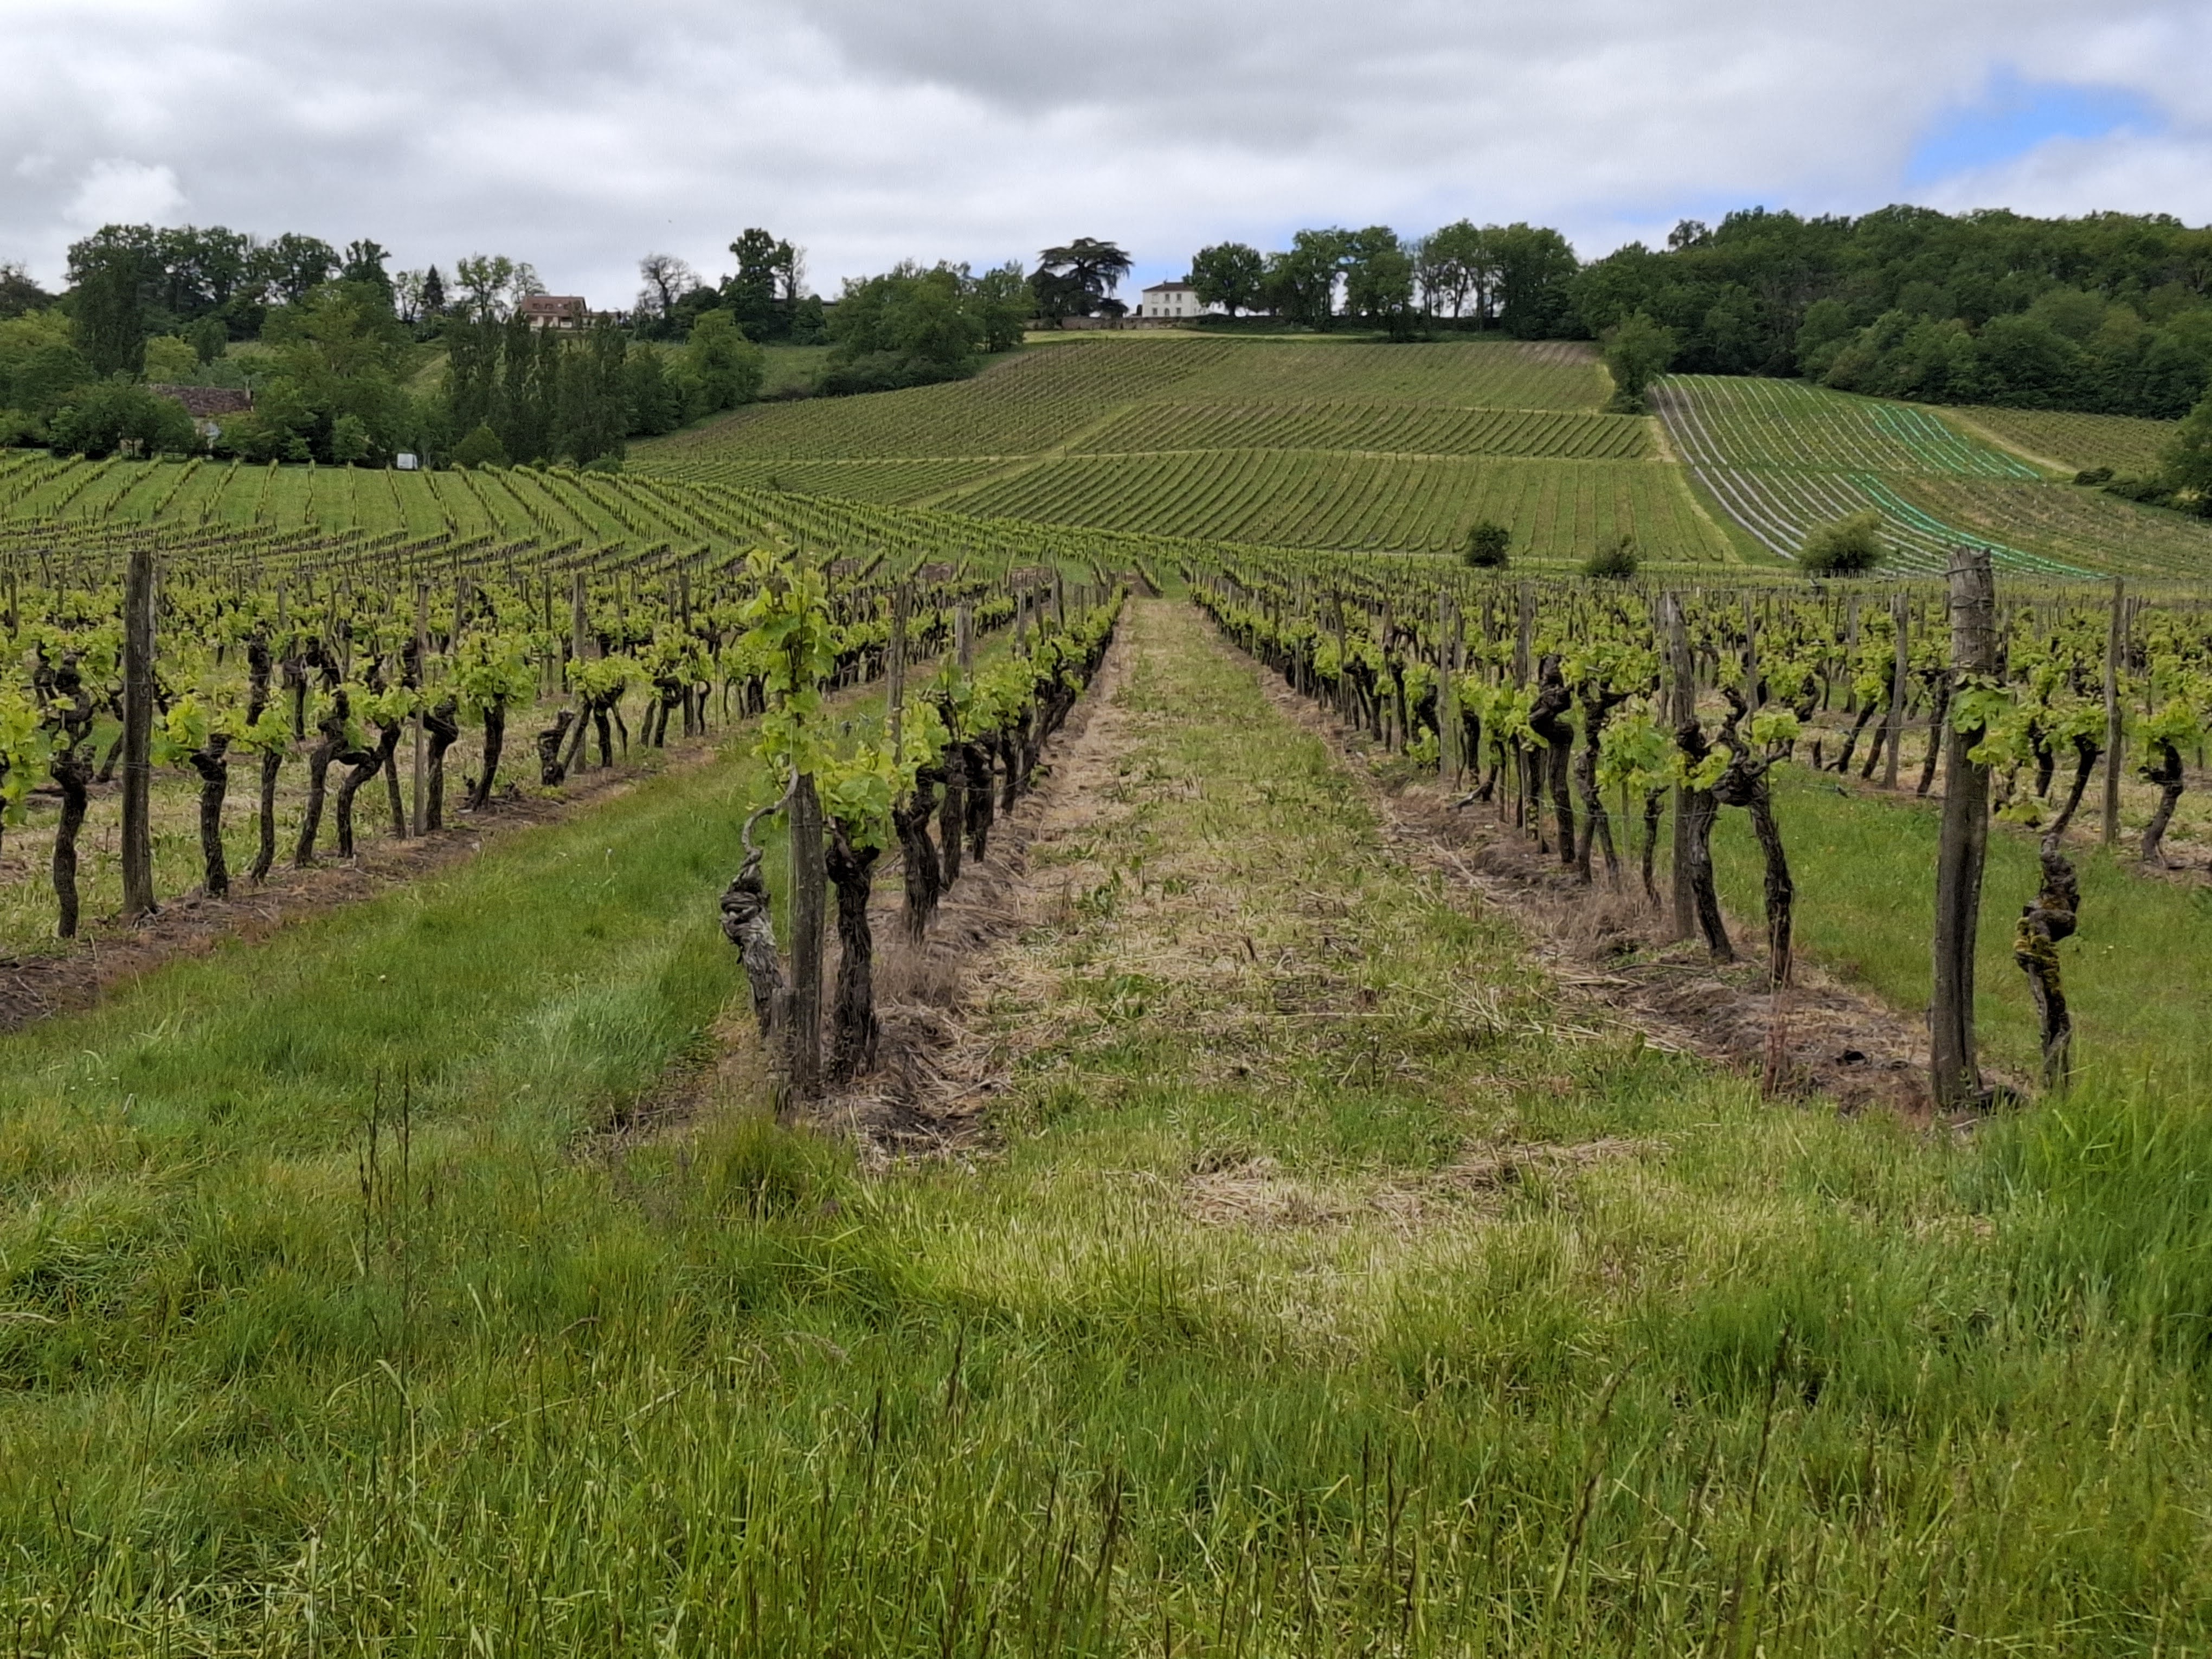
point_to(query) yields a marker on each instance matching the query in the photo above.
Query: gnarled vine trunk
(213, 764)
(910, 817)
(2166, 774)
(854, 1029)
(2042, 925)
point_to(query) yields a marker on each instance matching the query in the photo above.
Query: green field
(1373, 428)
(1329, 443)
(1781, 457)
(1557, 510)
(2075, 442)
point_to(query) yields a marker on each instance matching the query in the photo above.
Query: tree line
(1515, 277)
(341, 345)
(2111, 314)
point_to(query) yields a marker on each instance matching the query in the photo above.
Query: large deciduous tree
(1230, 274)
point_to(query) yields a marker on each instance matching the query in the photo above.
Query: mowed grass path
(1327, 1287)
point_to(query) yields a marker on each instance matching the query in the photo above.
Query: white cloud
(2124, 173)
(112, 193)
(579, 136)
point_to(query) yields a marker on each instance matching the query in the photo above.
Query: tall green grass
(2137, 975)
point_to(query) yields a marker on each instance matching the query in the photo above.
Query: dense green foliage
(1850, 546)
(2107, 314)
(1516, 276)
(913, 326)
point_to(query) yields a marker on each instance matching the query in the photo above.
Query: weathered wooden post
(1900, 686)
(2115, 730)
(138, 734)
(810, 881)
(422, 694)
(1681, 709)
(1954, 1072)
(895, 675)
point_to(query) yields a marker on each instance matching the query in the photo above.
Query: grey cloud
(579, 136)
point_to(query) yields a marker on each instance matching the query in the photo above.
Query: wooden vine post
(2114, 729)
(1954, 1072)
(423, 696)
(1681, 711)
(894, 672)
(1900, 686)
(1449, 763)
(138, 735)
(810, 881)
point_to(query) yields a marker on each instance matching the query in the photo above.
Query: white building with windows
(1171, 300)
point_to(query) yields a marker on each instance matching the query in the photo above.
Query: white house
(1171, 300)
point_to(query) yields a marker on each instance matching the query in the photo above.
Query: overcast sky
(580, 137)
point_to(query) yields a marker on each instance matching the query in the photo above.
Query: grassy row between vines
(1333, 1288)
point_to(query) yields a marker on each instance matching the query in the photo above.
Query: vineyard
(1557, 510)
(1559, 695)
(2073, 442)
(1022, 1018)
(1781, 459)
(1327, 443)
(1381, 429)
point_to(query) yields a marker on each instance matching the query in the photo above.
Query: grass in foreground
(1334, 1292)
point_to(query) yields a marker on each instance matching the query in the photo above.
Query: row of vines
(1591, 714)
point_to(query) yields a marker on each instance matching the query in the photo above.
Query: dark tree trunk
(1746, 784)
(749, 924)
(1547, 718)
(1941, 693)
(1852, 740)
(918, 856)
(393, 802)
(981, 811)
(445, 732)
(213, 764)
(2043, 924)
(494, 724)
(552, 768)
(853, 1027)
(953, 816)
(362, 766)
(319, 772)
(1008, 744)
(2085, 753)
(73, 772)
(580, 735)
(272, 767)
(1597, 825)
(1700, 808)
(1654, 805)
(2167, 776)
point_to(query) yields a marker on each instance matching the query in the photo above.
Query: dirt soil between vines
(937, 1073)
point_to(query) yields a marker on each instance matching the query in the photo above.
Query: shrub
(113, 416)
(2136, 489)
(889, 371)
(1615, 562)
(2093, 475)
(482, 448)
(1487, 546)
(1849, 547)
